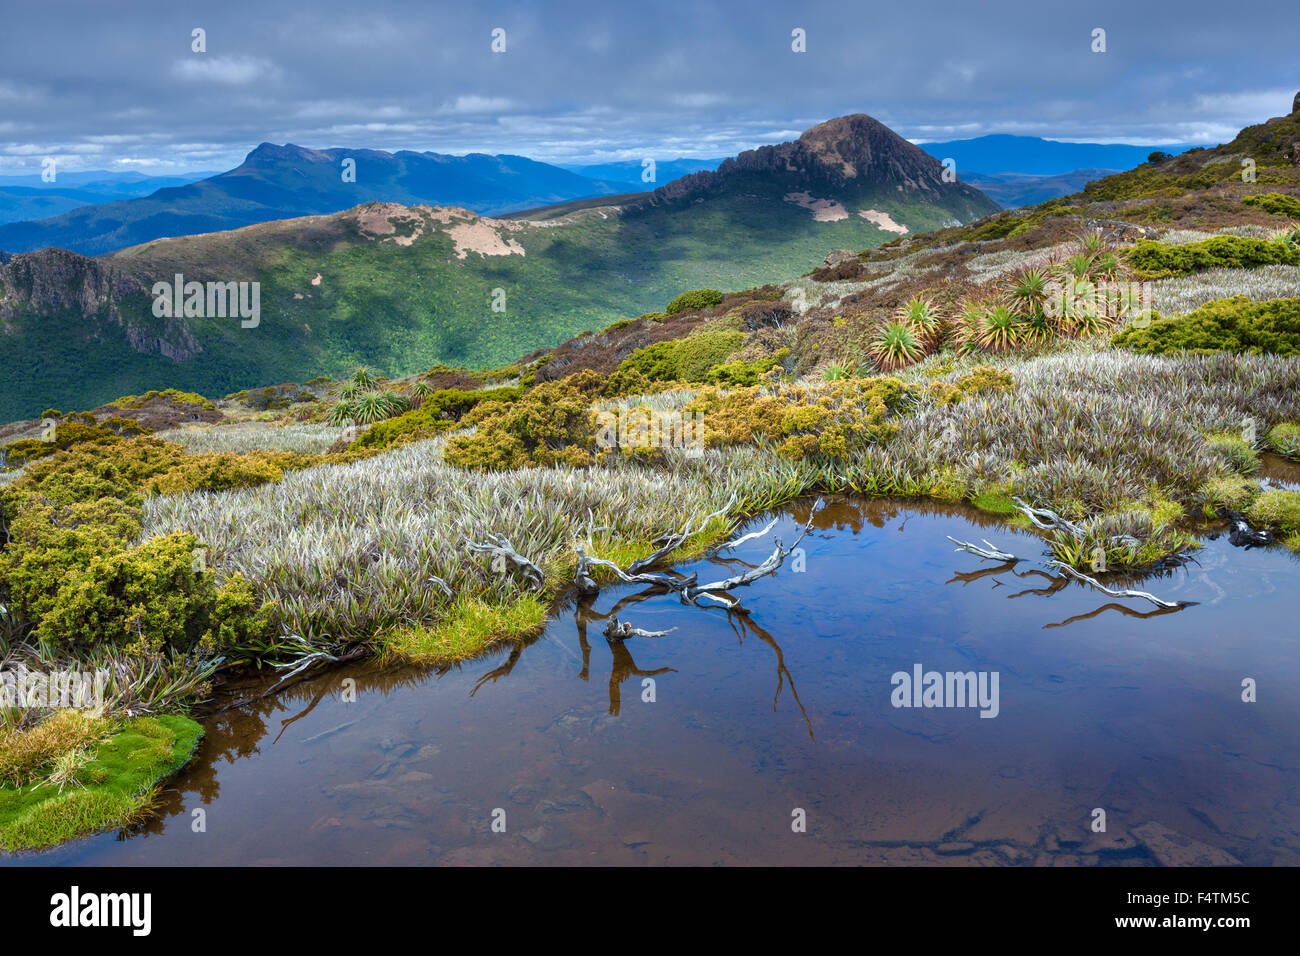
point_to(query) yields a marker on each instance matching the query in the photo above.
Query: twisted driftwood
(621, 632)
(636, 571)
(499, 546)
(1113, 592)
(676, 539)
(686, 587)
(752, 536)
(1048, 520)
(991, 552)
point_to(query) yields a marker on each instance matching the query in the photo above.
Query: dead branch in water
(1120, 593)
(676, 539)
(774, 561)
(499, 547)
(736, 542)
(991, 552)
(686, 587)
(621, 632)
(1048, 520)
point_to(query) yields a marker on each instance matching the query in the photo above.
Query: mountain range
(280, 182)
(30, 197)
(1032, 156)
(99, 212)
(403, 287)
(631, 171)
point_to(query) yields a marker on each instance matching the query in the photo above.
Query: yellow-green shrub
(440, 411)
(687, 359)
(833, 420)
(552, 424)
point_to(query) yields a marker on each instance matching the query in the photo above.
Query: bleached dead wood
(1049, 520)
(1115, 592)
(499, 546)
(752, 536)
(686, 587)
(621, 632)
(991, 552)
(676, 539)
(774, 561)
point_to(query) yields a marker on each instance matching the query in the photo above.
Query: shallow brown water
(1103, 704)
(1280, 472)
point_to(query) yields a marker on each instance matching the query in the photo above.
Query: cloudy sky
(100, 84)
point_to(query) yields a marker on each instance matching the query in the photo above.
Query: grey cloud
(109, 85)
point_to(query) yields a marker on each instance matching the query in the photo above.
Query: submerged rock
(1171, 848)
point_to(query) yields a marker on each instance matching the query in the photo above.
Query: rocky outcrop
(847, 155)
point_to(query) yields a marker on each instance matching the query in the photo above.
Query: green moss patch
(100, 789)
(1279, 510)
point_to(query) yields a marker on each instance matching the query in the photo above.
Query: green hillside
(404, 308)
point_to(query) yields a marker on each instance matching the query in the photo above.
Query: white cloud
(478, 104)
(228, 70)
(1250, 106)
(699, 100)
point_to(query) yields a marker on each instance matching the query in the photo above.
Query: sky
(105, 84)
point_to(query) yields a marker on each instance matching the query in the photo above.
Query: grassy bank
(75, 774)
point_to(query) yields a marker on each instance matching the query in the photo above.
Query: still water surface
(1103, 704)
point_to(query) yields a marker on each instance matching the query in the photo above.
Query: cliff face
(93, 301)
(54, 279)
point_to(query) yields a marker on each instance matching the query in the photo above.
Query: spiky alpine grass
(998, 329)
(895, 345)
(923, 318)
(1028, 289)
(245, 437)
(373, 407)
(835, 372)
(345, 551)
(1092, 432)
(363, 376)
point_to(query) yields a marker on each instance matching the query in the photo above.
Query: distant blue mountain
(630, 172)
(28, 197)
(1011, 190)
(285, 182)
(1030, 155)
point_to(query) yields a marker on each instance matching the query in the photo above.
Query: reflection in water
(1279, 472)
(1138, 712)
